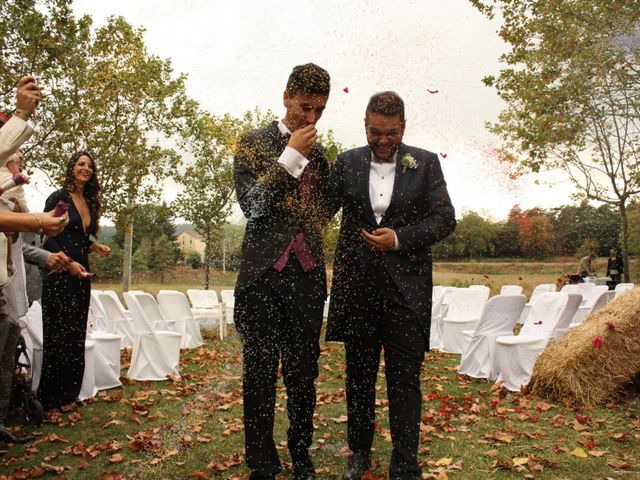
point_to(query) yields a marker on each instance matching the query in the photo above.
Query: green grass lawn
(192, 428)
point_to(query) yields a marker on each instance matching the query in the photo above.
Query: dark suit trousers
(396, 329)
(279, 317)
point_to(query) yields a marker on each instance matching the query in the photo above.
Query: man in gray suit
(395, 205)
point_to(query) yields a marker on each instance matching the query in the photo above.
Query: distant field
(494, 274)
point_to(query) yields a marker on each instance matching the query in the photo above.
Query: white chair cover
(116, 321)
(229, 302)
(32, 334)
(515, 355)
(174, 305)
(125, 313)
(205, 307)
(97, 317)
(623, 287)
(537, 291)
(465, 310)
(435, 332)
(570, 288)
(156, 318)
(106, 359)
(156, 353)
(500, 315)
(88, 388)
(510, 290)
(592, 300)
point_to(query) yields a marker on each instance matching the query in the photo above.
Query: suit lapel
(400, 182)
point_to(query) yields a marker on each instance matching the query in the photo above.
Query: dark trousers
(279, 318)
(397, 330)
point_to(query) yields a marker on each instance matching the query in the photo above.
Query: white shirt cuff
(293, 161)
(396, 245)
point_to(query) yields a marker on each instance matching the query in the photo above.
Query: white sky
(238, 55)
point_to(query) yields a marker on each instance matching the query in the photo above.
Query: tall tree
(103, 91)
(149, 220)
(208, 182)
(572, 88)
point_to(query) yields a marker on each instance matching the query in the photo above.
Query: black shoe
(8, 437)
(358, 464)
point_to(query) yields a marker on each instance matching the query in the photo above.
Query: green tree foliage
(194, 260)
(149, 221)
(208, 181)
(572, 86)
(103, 92)
(157, 254)
(634, 228)
(573, 224)
(108, 267)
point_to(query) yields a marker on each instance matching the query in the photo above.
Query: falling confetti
(432, 91)
(345, 89)
(443, 155)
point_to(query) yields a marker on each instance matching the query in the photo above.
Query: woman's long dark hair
(91, 188)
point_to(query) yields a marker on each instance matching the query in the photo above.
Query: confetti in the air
(345, 89)
(432, 91)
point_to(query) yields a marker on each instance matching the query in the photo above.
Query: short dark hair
(386, 103)
(309, 79)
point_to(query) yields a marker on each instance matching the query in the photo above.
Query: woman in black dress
(66, 294)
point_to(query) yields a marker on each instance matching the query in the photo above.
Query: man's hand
(28, 95)
(52, 226)
(76, 269)
(304, 139)
(57, 262)
(381, 240)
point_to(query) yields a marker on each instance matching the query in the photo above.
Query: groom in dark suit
(395, 206)
(281, 177)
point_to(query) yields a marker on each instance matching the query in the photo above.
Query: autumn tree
(572, 89)
(208, 181)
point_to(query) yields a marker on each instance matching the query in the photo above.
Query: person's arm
(51, 244)
(439, 222)
(32, 222)
(259, 189)
(17, 131)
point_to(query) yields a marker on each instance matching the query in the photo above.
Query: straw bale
(595, 360)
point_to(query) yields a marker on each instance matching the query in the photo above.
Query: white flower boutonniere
(408, 162)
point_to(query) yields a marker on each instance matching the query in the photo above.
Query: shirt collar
(284, 130)
(393, 162)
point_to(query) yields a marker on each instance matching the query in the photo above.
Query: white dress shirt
(291, 159)
(382, 176)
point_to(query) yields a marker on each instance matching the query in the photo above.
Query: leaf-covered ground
(193, 428)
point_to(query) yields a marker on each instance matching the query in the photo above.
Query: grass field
(192, 428)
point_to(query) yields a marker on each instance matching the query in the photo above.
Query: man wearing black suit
(395, 205)
(281, 177)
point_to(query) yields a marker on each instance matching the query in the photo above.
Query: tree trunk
(128, 249)
(207, 258)
(624, 233)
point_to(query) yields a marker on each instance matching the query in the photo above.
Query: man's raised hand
(304, 139)
(28, 95)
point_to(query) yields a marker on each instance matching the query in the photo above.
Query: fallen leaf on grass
(578, 452)
(112, 476)
(340, 419)
(116, 458)
(444, 462)
(597, 453)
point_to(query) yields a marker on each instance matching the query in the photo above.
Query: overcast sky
(238, 54)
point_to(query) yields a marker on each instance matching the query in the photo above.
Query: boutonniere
(408, 162)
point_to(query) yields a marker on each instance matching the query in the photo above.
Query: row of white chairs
(490, 350)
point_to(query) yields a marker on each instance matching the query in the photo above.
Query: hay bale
(595, 360)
